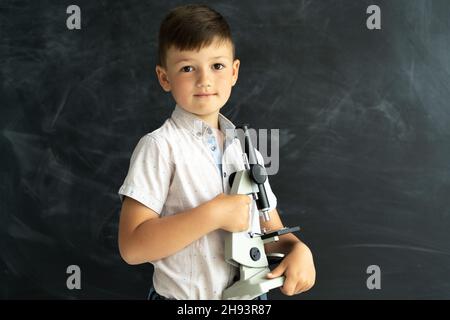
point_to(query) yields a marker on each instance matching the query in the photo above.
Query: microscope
(245, 250)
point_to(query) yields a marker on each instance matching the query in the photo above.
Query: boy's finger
(288, 287)
(278, 271)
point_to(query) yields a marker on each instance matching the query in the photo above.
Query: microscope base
(253, 287)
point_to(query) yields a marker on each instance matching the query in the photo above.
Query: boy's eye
(187, 69)
(218, 66)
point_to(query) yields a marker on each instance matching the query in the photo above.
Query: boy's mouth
(204, 95)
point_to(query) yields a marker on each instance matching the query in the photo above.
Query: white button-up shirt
(173, 169)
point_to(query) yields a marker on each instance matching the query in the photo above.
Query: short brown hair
(191, 27)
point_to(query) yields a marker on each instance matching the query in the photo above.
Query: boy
(176, 207)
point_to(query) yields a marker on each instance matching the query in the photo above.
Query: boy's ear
(162, 78)
(236, 64)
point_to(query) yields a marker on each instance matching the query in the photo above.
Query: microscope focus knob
(258, 173)
(255, 254)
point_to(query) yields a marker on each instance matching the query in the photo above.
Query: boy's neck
(211, 119)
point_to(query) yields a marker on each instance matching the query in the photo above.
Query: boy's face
(200, 81)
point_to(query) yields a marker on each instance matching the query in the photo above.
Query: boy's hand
(231, 211)
(298, 268)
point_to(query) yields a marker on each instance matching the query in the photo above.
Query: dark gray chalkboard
(364, 121)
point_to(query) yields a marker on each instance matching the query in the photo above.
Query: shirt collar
(198, 127)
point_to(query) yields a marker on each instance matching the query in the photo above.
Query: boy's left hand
(298, 268)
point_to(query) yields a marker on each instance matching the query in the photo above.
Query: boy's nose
(203, 80)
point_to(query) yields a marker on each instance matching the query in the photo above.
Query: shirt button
(224, 174)
(213, 148)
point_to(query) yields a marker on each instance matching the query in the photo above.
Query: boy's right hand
(232, 211)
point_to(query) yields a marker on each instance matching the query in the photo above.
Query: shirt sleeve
(270, 195)
(149, 175)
